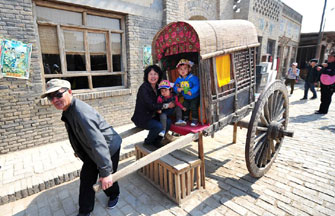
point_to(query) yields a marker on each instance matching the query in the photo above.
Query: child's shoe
(194, 123)
(162, 133)
(180, 123)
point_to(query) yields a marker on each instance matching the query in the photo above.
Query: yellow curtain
(223, 69)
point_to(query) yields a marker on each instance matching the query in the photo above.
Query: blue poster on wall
(15, 59)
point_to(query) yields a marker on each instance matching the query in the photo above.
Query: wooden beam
(61, 47)
(123, 54)
(177, 144)
(202, 158)
(76, 8)
(130, 132)
(80, 27)
(235, 133)
(217, 116)
(242, 124)
(84, 73)
(109, 51)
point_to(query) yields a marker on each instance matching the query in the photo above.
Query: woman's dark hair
(156, 68)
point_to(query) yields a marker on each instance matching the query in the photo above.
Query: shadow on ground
(63, 199)
(55, 201)
(328, 127)
(230, 187)
(306, 118)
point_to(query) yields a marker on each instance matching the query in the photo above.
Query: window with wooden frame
(83, 46)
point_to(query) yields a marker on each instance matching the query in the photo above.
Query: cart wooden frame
(227, 102)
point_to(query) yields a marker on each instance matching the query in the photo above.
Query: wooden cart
(224, 53)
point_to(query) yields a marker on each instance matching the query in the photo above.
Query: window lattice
(243, 69)
(267, 8)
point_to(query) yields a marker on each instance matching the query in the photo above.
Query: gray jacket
(90, 135)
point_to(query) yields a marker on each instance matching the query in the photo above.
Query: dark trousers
(309, 85)
(291, 82)
(191, 105)
(88, 177)
(326, 98)
(155, 126)
(168, 112)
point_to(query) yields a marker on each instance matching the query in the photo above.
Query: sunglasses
(57, 95)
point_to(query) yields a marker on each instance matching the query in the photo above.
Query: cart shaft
(177, 144)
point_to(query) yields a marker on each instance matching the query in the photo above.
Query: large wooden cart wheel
(267, 128)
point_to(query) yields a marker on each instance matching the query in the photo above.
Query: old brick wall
(25, 119)
(22, 124)
(172, 11)
(190, 9)
(226, 9)
(200, 8)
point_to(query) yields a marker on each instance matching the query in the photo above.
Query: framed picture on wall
(147, 57)
(0, 58)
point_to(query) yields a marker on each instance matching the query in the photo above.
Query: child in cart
(166, 96)
(188, 85)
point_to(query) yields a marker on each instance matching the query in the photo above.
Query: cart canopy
(207, 37)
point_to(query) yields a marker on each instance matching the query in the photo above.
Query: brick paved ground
(300, 182)
(30, 171)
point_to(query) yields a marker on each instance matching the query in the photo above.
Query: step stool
(177, 174)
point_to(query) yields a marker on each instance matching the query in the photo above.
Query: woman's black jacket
(146, 105)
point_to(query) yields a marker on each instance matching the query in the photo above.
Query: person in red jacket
(166, 97)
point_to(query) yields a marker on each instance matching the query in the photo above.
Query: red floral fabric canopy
(176, 38)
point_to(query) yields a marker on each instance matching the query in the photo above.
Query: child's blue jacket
(190, 81)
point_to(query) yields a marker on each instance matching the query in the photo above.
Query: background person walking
(292, 76)
(311, 79)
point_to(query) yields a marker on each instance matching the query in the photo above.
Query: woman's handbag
(327, 79)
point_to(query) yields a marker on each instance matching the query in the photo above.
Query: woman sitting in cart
(188, 85)
(145, 114)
